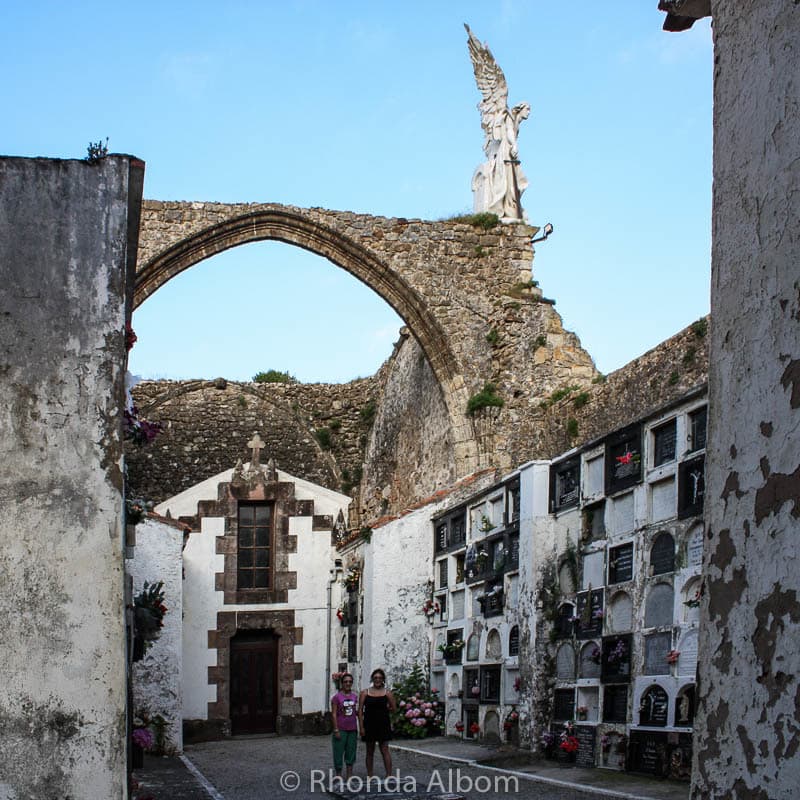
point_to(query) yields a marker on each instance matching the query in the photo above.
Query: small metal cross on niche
(257, 445)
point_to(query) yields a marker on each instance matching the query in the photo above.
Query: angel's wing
(489, 77)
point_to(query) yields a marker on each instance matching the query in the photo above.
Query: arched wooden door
(254, 682)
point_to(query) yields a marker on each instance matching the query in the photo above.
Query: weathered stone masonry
(452, 283)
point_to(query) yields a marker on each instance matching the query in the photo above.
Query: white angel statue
(499, 182)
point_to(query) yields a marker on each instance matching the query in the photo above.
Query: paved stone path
(298, 768)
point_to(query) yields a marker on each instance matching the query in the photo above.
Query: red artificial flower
(626, 459)
(474, 728)
(570, 744)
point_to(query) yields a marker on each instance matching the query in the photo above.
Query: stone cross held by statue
(257, 445)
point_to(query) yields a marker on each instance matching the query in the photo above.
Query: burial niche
(473, 647)
(654, 707)
(620, 613)
(494, 647)
(658, 608)
(565, 663)
(590, 660)
(662, 554)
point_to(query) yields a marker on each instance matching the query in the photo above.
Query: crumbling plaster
(750, 630)
(65, 234)
(156, 679)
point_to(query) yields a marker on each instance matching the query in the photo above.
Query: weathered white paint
(200, 607)
(64, 242)
(157, 677)
(314, 564)
(397, 568)
(749, 660)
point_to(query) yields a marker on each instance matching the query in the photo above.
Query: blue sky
(371, 107)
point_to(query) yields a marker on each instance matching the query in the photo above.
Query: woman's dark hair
(378, 671)
(346, 675)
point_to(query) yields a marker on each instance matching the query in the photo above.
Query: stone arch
(311, 232)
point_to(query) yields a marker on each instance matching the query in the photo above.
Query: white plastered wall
(156, 678)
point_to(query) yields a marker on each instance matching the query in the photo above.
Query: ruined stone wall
(651, 381)
(391, 439)
(410, 452)
(749, 697)
(67, 246)
(466, 294)
(313, 431)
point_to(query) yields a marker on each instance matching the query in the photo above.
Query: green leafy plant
(493, 337)
(478, 251)
(580, 400)
(599, 379)
(274, 376)
(323, 437)
(368, 411)
(335, 425)
(540, 341)
(700, 327)
(242, 400)
(673, 378)
(572, 427)
(688, 356)
(485, 398)
(148, 612)
(96, 151)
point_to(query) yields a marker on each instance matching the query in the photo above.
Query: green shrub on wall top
(274, 376)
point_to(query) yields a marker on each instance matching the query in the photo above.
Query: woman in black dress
(374, 706)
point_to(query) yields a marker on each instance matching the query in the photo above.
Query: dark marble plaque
(587, 736)
(649, 753)
(620, 563)
(564, 704)
(654, 708)
(662, 554)
(590, 621)
(623, 459)
(691, 487)
(565, 483)
(615, 704)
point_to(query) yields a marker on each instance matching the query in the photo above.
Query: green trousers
(344, 748)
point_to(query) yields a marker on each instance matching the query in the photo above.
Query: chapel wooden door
(254, 682)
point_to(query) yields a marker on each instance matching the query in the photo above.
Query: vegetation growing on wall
(485, 220)
(274, 376)
(323, 437)
(485, 398)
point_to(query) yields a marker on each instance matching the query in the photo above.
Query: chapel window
(254, 555)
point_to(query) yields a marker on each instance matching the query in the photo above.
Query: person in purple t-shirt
(344, 707)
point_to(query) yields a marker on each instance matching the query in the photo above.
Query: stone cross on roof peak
(257, 446)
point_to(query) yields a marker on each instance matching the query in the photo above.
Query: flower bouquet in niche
(352, 579)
